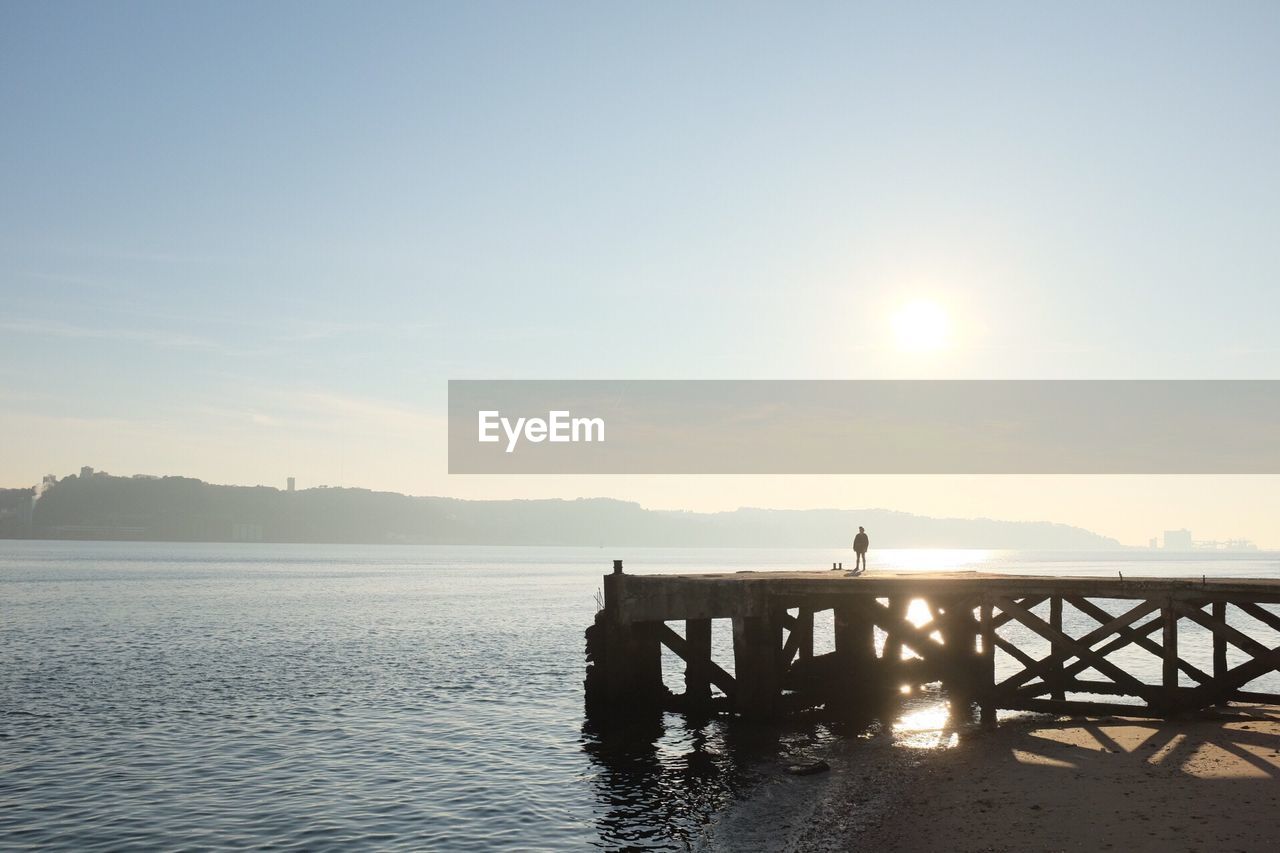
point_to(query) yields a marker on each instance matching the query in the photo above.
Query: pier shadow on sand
(1204, 782)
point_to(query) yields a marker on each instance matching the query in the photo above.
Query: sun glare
(921, 325)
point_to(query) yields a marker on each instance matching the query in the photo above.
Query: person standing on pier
(861, 543)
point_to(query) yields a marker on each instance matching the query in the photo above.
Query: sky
(249, 241)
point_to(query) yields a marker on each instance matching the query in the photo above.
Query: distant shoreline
(94, 505)
(1126, 550)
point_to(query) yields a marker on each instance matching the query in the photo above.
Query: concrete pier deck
(639, 598)
(970, 621)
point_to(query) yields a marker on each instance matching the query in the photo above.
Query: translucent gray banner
(864, 427)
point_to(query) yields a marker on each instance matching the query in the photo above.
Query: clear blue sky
(245, 240)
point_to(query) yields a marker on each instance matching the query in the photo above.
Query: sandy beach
(1108, 784)
(1033, 784)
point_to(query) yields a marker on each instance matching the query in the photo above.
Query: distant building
(1154, 543)
(1228, 545)
(246, 532)
(1177, 540)
(291, 484)
(86, 472)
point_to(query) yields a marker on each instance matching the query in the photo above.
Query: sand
(1032, 784)
(1110, 784)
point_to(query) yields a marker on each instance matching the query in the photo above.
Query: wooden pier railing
(960, 622)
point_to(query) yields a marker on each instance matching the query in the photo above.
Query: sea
(188, 696)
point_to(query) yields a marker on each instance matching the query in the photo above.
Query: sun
(921, 325)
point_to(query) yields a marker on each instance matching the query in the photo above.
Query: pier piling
(757, 664)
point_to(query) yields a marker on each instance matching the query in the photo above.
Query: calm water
(197, 695)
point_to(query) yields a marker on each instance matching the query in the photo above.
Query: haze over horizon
(243, 253)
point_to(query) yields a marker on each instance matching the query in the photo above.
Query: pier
(1206, 635)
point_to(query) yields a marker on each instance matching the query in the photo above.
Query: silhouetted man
(860, 545)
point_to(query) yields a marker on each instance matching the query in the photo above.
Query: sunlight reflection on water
(929, 727)
(932, 559)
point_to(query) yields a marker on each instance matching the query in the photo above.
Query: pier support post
(855, 637)
(697, 671)
(624, 666)
(1056, 676)
(1219, 611)
(804, 628)
(757, 662)
(1169, 697)
(855, 640)
(961, 672)
(624, 659)
(987, 671)
(891, 660)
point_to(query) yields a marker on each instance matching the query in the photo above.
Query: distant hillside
(15, 512)
(98, 506)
